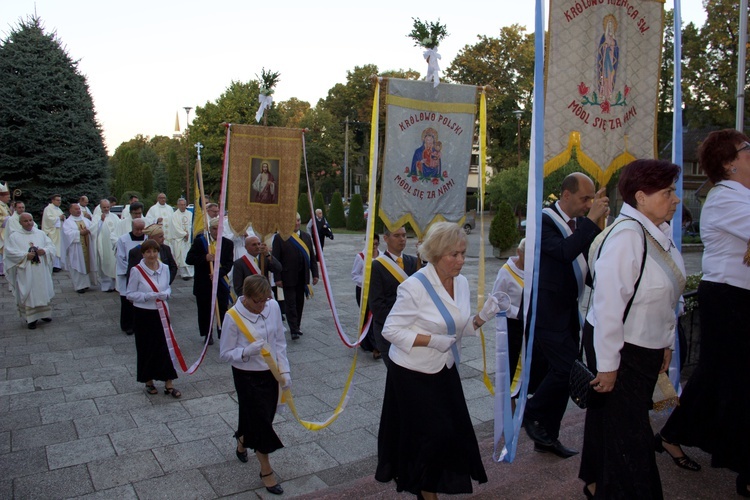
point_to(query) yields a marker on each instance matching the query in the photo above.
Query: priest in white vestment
(4, 216)
(103, 229)
(124, 244)
(29, 252)
(125, 225)
(52, 221)
(79, 252)
(181, 229)
(161, 213)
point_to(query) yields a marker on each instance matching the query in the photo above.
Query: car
(117, 210)
(470, 222)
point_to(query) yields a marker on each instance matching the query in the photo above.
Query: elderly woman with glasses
(252, 325)
(714, 411)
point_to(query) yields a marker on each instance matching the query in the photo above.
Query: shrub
(356, 219)
(319, 203)
(503, 230)
(303, 207)
(336, 217)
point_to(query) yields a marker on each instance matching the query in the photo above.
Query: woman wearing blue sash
(257, 389)
(714, 411)
(426, 442)
(639, 276)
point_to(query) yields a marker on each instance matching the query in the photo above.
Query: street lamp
(518, 114)
(187, 154)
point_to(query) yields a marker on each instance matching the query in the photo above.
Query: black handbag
(579, 383)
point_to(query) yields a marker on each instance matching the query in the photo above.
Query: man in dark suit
(388, 271)
(321, 224)
(258, 261)
(566, 237)
(298, 261)
(201, 255)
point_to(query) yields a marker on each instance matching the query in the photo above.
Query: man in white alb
(161, 213)
(181, 229)
(52, 221)
(103, 229)
(79, 255)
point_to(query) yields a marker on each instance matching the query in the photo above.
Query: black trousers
(551, 397)
(204, 313)
(294, 297)
(126, 314)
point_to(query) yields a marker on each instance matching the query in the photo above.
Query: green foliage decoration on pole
(336, 217)
(427, 34)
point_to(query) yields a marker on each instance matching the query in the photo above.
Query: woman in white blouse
(634, 332)
(714, 411)
(426, 442)
(257, 389)
(148, 290)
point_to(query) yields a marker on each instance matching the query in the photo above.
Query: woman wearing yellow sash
(250, 327)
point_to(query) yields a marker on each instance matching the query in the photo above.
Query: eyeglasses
(744, 148)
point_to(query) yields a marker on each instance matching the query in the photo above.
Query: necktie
(400, 262)
(572, 224)
(257, 262)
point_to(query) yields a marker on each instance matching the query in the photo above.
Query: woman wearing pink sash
(148, 290)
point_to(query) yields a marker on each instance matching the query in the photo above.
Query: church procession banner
(263, 186)
(428, 141)
(602, 83)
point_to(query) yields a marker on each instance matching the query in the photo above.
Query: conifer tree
(51, 140)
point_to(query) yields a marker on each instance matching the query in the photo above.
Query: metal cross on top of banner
(198, 147)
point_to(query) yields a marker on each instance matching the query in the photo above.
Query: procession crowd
(421, 311)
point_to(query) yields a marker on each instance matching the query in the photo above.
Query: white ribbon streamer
(265, 103)
(433, 68)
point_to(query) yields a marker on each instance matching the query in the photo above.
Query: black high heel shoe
(683, 462)
(276, 489)
(742, 486)
(241, 455)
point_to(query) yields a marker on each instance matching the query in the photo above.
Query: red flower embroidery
(435, 181)
(406, 170)
(605, 107)
(445, 174)
(414, 178)
(583, 89)
(627, 90)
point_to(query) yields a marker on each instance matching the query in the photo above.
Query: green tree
(303, 207)
(507, 64)
(292, 111)
(319, 203)
(175, 178)
(710, 79)
(503, 230)
(336, 217)
(356, 219)
(51, 140)
(128, 174)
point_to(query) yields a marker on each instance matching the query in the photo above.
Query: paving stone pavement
(74, 423)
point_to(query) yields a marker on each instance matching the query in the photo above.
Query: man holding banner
(566, 237)
(257, 261)
(298, 261)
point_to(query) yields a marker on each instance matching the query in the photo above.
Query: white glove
(286, 381)
(150, 296)
(490, 309)
(441, 342)
(162, 295)
(252, 349)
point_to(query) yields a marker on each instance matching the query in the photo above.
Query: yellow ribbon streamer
(286, 394)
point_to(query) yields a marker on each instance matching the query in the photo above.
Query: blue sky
(146, 60)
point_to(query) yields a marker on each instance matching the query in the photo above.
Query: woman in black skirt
(634, 332)
(714, 411)
(148, 290)
(426, 442)
(257, 389)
